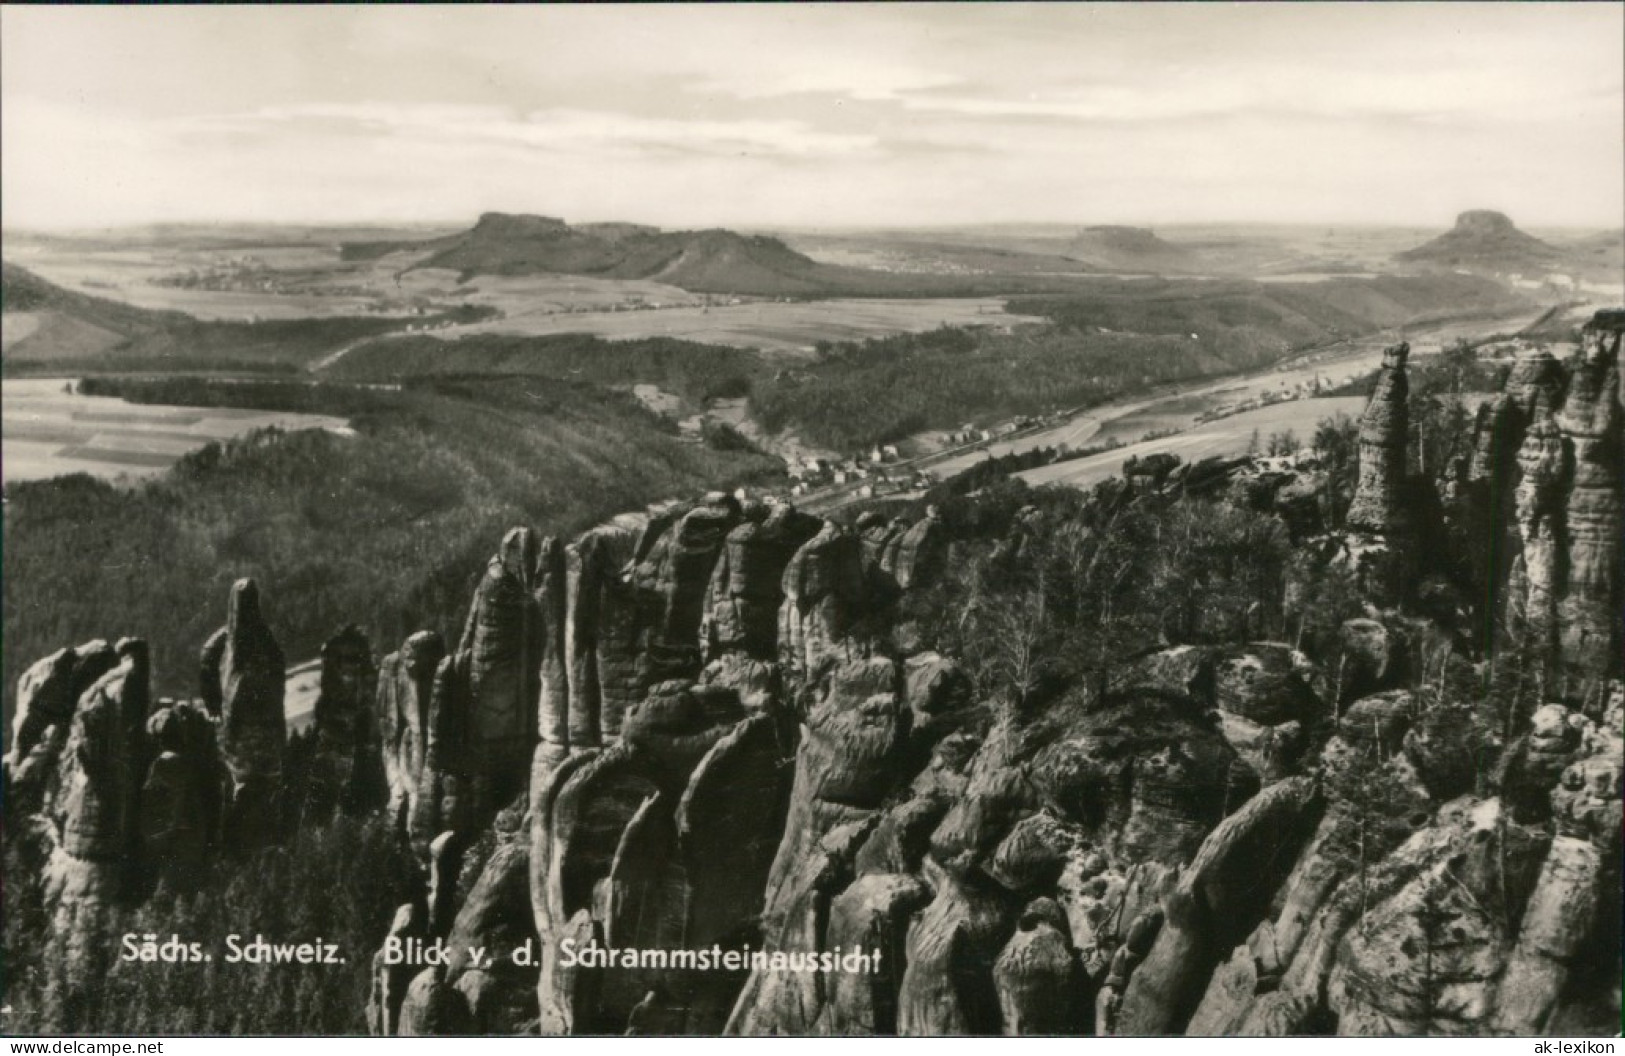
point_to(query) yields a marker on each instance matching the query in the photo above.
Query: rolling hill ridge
(710, 261)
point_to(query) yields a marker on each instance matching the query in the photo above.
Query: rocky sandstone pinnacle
(1540, 519)
(405, 689)
(445, 798)
(824, 594)
(551, 594)
(103, 762)
(1379, 509)
(502, 648)
(601, 631)
(243, 678)
(1378, 505)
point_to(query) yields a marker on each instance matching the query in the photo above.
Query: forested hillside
(393, 523)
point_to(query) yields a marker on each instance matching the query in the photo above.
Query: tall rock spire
(243, 677)
(1378, 505)
(1378, 516)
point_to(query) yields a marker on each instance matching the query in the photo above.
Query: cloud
(561, 129)
(796, 114)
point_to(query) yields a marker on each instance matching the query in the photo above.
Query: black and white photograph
(1089, 520)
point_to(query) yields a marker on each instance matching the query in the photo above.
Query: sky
(814, 115)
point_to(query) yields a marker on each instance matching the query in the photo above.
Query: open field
(772, 326)
(243, 282)
(138, 275)
(1227, 436)
(49, 432)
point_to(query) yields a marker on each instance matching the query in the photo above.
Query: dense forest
(695, 371)
(1119, 338)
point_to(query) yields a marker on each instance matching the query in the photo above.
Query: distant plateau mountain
(1487, 241)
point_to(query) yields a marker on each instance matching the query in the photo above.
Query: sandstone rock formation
(552, 599)
(824, 594)
(1540, 518)
(748, 586)
(344, 765)
(179, 820)
(1591, 423)
(601, 631)
(674, 578)
(713, 727)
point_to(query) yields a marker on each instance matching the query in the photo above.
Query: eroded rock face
(880, 537)
(601, 632)
(1427, 959)
(1591, 426)
(1038, 978)
(1222, 891)
(921, 553)
(1373, 657)
(1535, 384)
(747, 587)
(444, 801)
(390, 982)
(47, 694)
(824, 594)
(101, 754)
(872, 915)
(405, 691)
(1150, 769)
(1532, 766)
(948, 986)
(1576, 894)
(91, 810)
(662, 841)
